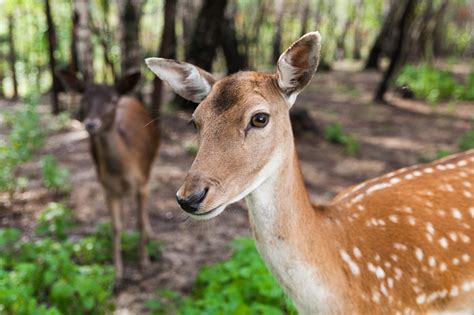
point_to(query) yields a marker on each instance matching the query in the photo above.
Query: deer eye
(259, 120)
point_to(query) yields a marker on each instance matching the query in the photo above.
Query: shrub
(54, 177)
(334, 133)
(55, 221)
(240, 285)
(435, 85)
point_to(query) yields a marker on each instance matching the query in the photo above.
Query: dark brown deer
(123, 144)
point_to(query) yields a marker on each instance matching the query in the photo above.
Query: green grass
(334, 133)
(240, 285)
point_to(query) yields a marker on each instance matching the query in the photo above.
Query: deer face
(242, 123)
(99, 102)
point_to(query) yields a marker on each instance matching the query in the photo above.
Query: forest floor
(391, 136)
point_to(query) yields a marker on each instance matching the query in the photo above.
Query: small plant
(55, 221)
(437, 155)
(435, 85)
(466, 141)
(54, 177)
(334, 133)
(240, 285)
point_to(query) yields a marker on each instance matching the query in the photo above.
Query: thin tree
(305, 14)
(235, 61)
(207, 29)
(130, 16)
(397, 57)
(83, 39)
(167, 50)
(12, 56)
(51, 36)
(276, 47)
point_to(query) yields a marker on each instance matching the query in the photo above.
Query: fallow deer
(401, 243)
(123, 144)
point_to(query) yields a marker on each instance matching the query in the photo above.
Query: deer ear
(70, 81)
(185, 79)
(128, 82)
(297, 65)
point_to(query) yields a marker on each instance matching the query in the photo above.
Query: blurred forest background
(395, 87)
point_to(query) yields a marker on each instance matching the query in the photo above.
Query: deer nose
(191, 203)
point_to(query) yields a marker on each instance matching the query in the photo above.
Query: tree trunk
(206, 32)
(439, 29)
(2, 76)
(167, 50)
(83, 39)
(130, 15)
(12, 56)
(228, 39)
(356, 52)
(397, 57)
(305, 17)
(384, 35)
(186, 12)
(74, 63)
(51, 35)
(276, 51)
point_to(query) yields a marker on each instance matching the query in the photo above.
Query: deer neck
(295, 239)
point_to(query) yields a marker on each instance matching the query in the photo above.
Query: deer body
(397, 244)
(123, 144)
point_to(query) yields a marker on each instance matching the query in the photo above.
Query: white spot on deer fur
(441, 167)
(430, 228)
(466, 286)
(429, 237)
(408, 209)
(394, 257)
(465, 257)
(394, 180)
(377, 257)
(464, 238)
(432, 261)
(419, 253)
(429, 204)
(443, 293)
(348, 260)
(417, 173)
(408, 176)
(357, 252)
(376, 297)
(393, 218)
(387, 264)
(443, 267)
(453, 236)
(428, 170)
(380, 273)
(399, 246)
(357, 198)
(454, 291)
(376, 187)
(420, 299)
(463, 174)
(360, 207)
(371, 267)
(441, 213)
(467, 194)
(456, 261)
(462, 163)
(443, 242)
(471, 212)
(398, 273)
(466, 184)
(433, 296)
(414, 280)
(390, 282)
(456, 213)
(383, 289)
(450, 166)
(411, 220)
(381, 222)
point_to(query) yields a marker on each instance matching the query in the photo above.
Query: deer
(123, 145)
(401, 243)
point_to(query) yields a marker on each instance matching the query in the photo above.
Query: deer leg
(115, 205)
(144, 228)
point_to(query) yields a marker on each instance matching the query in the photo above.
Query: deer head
(99, 101)
(242, 122)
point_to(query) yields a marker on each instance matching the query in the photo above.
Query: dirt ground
(391, 136)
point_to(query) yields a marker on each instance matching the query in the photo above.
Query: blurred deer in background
(402, 243)
(123, 144)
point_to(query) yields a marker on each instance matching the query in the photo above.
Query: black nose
(90, 125)
(191, 203)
